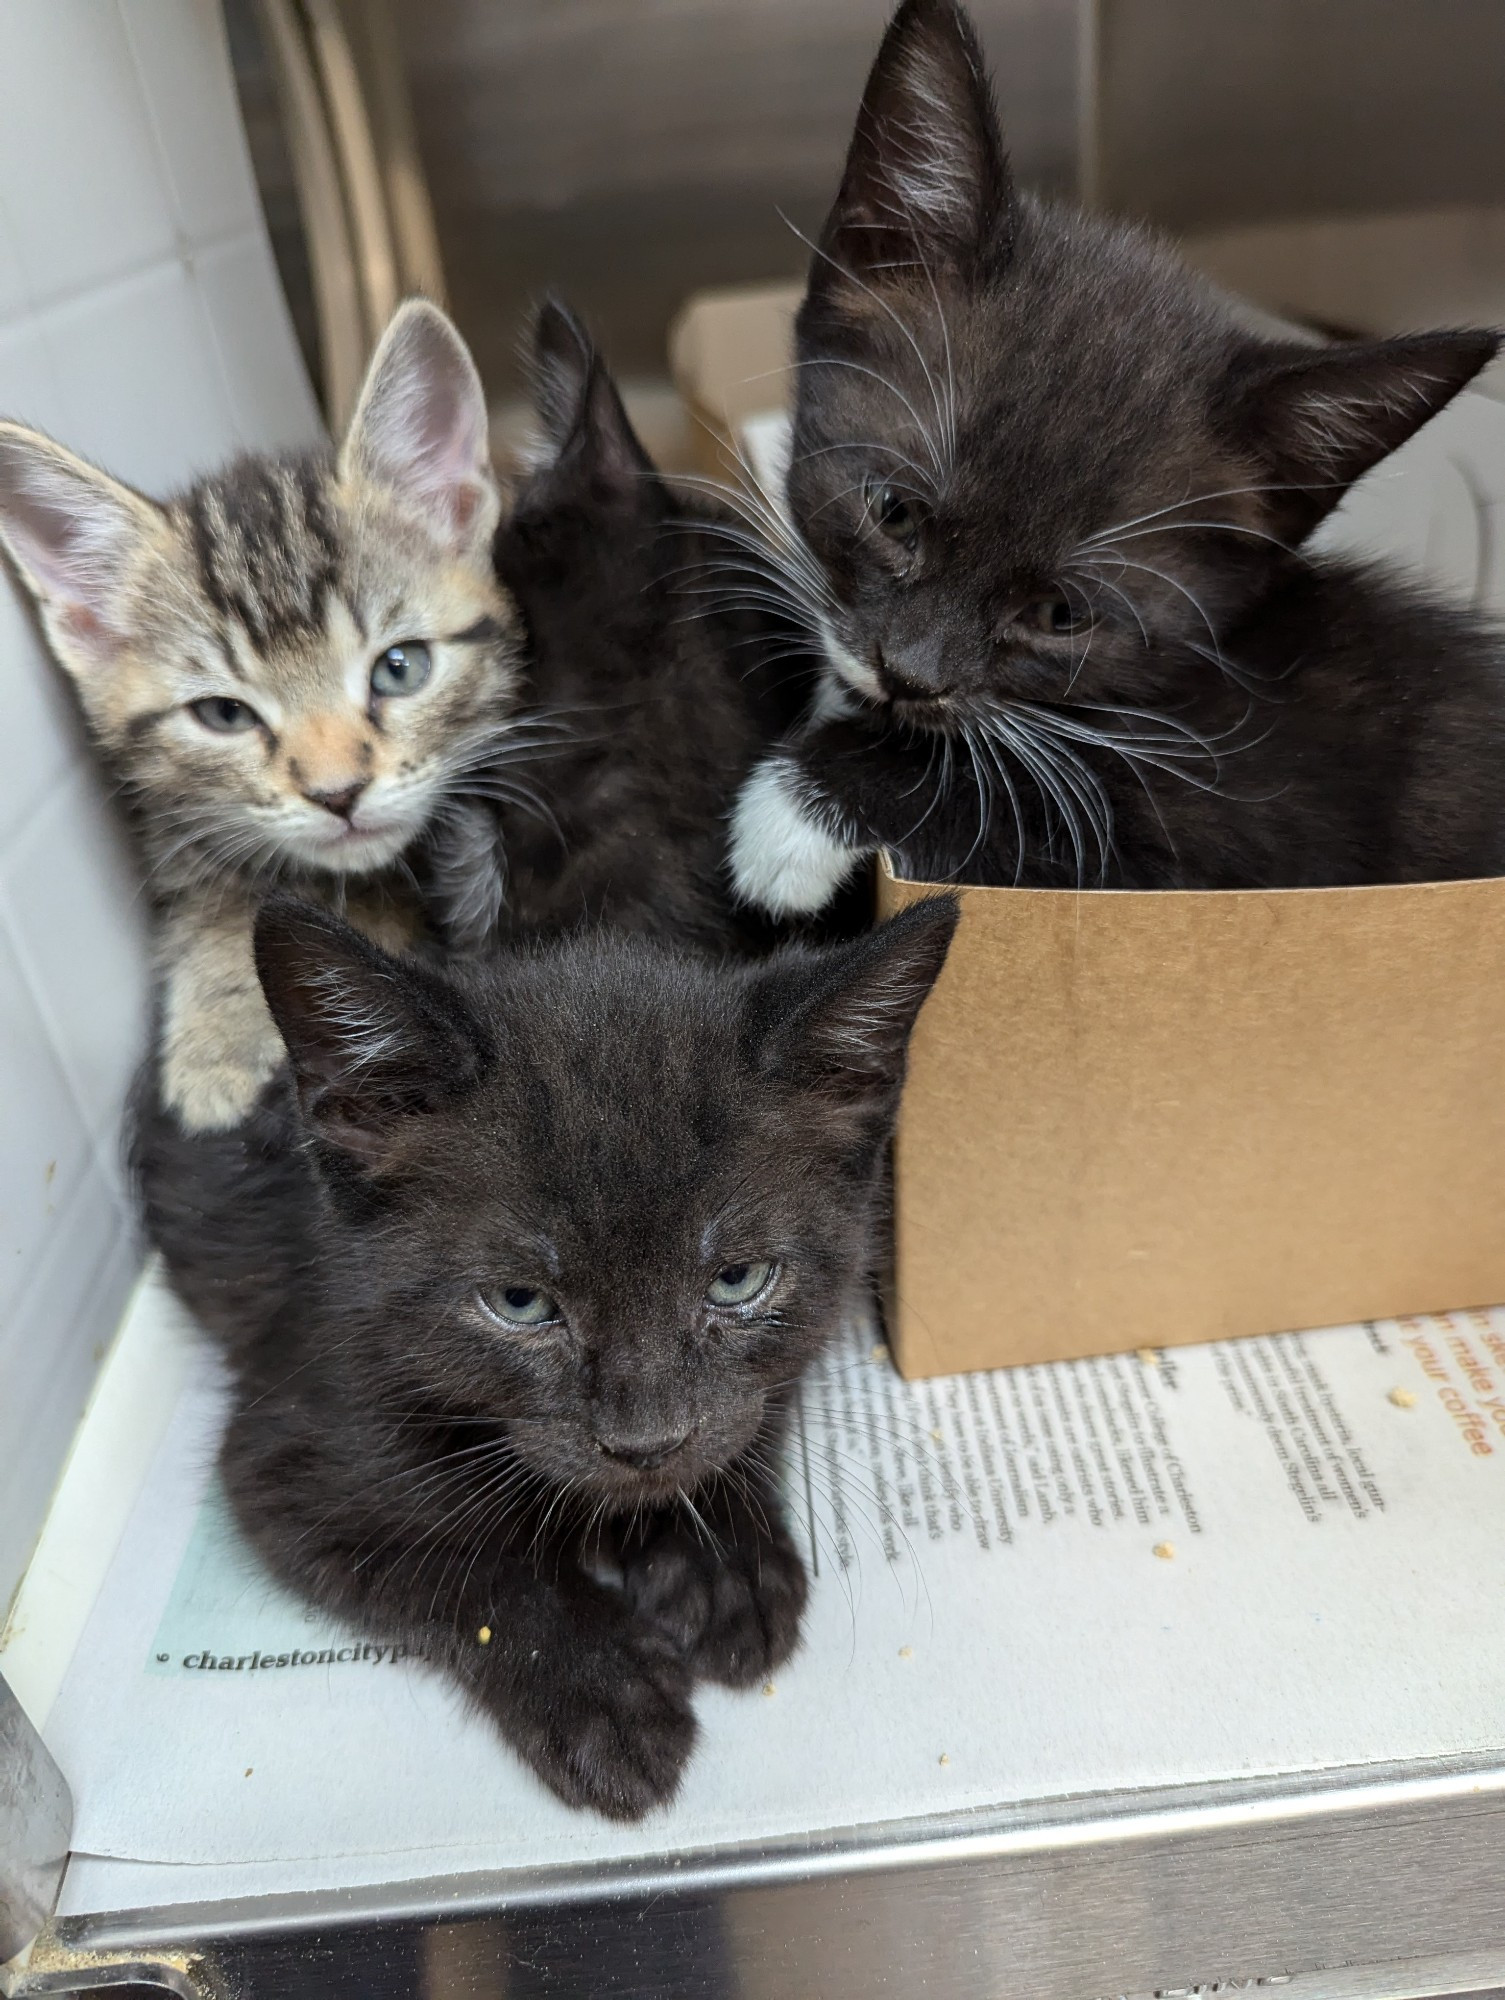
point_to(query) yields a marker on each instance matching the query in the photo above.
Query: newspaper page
(1153, 1570)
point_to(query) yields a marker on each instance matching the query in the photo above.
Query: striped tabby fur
(224, 645)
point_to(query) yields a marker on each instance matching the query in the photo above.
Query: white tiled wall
(141, 322)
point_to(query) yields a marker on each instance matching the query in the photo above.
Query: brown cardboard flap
(1141, 1118)
(729, 353)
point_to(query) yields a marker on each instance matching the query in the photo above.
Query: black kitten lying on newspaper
(515, 1274)
(1051, 493)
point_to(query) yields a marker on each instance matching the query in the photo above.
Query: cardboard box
(1137, 1119)
(1141, 1119)
(729, 354)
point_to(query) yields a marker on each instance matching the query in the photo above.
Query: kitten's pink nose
(341, 803)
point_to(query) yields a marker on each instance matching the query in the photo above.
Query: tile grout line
(185, 253)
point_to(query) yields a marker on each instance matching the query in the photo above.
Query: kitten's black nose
(642, 1453)
(341, 803)
(900, 685)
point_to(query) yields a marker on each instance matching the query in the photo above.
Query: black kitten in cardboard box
(516, 1270)
(1051, 494)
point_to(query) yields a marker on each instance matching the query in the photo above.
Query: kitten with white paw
(1050, 498)
(286, 668)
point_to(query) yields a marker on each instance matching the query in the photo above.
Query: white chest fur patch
(783, 859)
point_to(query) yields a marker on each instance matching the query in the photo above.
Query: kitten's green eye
(402, 669)
(1056, 616)
(224, 716)
(518, 1306)
(895, 514)
(737, 1284)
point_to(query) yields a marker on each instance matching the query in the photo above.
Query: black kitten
(1055, 492)
(523, 1263)
(650, 697)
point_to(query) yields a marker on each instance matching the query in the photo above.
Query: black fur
(1013, 418)
(647, 697)
(611, 1123)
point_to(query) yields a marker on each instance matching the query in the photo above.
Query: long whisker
(940, 461)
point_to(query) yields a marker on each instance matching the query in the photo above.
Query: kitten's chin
(352, 850)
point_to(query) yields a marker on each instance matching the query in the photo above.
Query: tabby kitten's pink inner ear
(73, 533)
(421, 428)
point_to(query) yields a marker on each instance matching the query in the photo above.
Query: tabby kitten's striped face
(291, 663)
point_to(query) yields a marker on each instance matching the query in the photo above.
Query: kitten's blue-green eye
(223, 715)
(739, 1284)
(518, 1306)
(402, 669)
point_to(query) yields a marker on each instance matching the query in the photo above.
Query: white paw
(783, 859)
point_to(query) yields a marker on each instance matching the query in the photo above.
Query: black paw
(733, 1612)
(613, 1726)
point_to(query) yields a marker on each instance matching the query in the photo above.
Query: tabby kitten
(648, 696)
(284, 668)
(517, 1271)
(1052, 493)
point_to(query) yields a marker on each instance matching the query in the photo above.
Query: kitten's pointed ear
(421, 428)
(579, 408)
(74, 534)
(374, 1040)
(846, 1016)
(927, 179)
(1319, 418)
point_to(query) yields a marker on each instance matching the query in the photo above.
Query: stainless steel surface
(54, 1969)
(1082, 1900)
(36, 1819)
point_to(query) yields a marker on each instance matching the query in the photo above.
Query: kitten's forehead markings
(267, 546)
(224, 641)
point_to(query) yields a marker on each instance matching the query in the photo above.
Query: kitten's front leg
(468, 868)
(732, 1605)
(219, 1044)
(824, 801)
(594, 1698)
